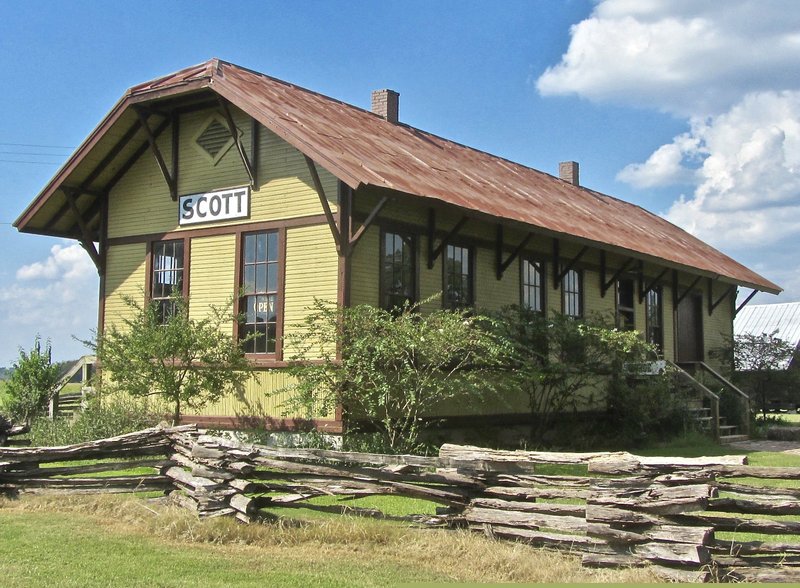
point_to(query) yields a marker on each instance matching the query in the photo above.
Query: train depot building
(218, 180)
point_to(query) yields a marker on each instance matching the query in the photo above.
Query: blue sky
(688, 108)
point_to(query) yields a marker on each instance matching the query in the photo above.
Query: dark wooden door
(689, 324)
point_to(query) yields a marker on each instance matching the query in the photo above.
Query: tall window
(260, 292)
(653, 312)
(398, 270)
(572, 293)
(533, 280)
(167, 277)
(625, 308)
(458, 277)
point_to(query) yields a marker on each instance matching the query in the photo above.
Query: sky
(688, 108)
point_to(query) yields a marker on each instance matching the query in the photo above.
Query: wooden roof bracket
(676, 297)
(435, 252)
(86, 240)
(354, 239)
(501, 264)
(645, 288)
(341, 247)
(558, 277)
(712, 304)
(98, 169)
(151, 139)
(226, 111)
(134, 157)
(743, 304)
(606, 284)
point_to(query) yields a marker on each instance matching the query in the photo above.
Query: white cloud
(685, 57)
(56, 298)
(71, 261)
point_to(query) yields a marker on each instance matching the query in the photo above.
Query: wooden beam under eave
(237, 140)
(367, 222)
(743, 304)
(134, 157)
(326, 207)
(86, 237)
(503, 265)
(151, 138)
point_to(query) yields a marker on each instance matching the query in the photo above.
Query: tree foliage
(761, 363)
(184, 361)
(556, 361)
(32, 383)
(395, 368)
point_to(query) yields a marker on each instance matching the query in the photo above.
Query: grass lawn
(125, 541)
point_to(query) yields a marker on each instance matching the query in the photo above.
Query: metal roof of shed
(362, 149)
(758, 319)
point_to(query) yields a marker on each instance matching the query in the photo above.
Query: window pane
(260, 282)
(249, 279)
(272, 246)
(398, 270)
(261, 247)
(249, 248)
(272, 277)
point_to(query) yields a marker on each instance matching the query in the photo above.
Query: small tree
(185, 362)
(395, 368)
(557, 361)
(32, 383)
(763, 362)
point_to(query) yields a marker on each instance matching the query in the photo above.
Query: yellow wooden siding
(668, 320)
(211, 274)
(125, 276)
(260, 398)
(140, 203)
(492, 294)
(717, 328)
(365, 269)
(312, 271)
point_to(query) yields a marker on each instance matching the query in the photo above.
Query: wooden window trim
(618, 308)
(148, 267)
(581, 293)
(399, 230)
(274, 359)
(542, 287)
(659, 292)
(472, 266)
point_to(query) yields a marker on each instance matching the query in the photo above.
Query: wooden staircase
(67, 404)
(706, 388)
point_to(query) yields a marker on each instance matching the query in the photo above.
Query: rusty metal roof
(363, 149)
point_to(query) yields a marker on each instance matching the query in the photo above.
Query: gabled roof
(759, 319)
(362, 149)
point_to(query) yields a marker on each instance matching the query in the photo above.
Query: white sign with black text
(214, 206)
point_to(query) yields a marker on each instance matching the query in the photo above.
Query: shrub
(183, 361)
(32, 383)
(102, 417)
(560, 362)
(395, 369)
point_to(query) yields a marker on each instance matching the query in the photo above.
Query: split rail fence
(690, 519)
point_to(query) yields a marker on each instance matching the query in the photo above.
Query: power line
(31, 153)
(39, 146)
(33, 162)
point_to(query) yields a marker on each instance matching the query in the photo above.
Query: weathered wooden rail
(685, 517)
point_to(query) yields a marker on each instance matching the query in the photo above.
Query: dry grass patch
(414, 554)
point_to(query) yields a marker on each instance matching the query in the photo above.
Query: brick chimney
(568, 171)
(386, 104)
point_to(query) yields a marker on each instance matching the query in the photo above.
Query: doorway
(689, 324)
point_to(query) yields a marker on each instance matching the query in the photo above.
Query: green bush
(562, 363)
(644, 409)
(396, 368)
(106, 417)
(32, 383)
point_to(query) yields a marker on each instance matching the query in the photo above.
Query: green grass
(122, 541)
(37, 548)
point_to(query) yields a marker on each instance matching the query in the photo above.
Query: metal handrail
(704, 390)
